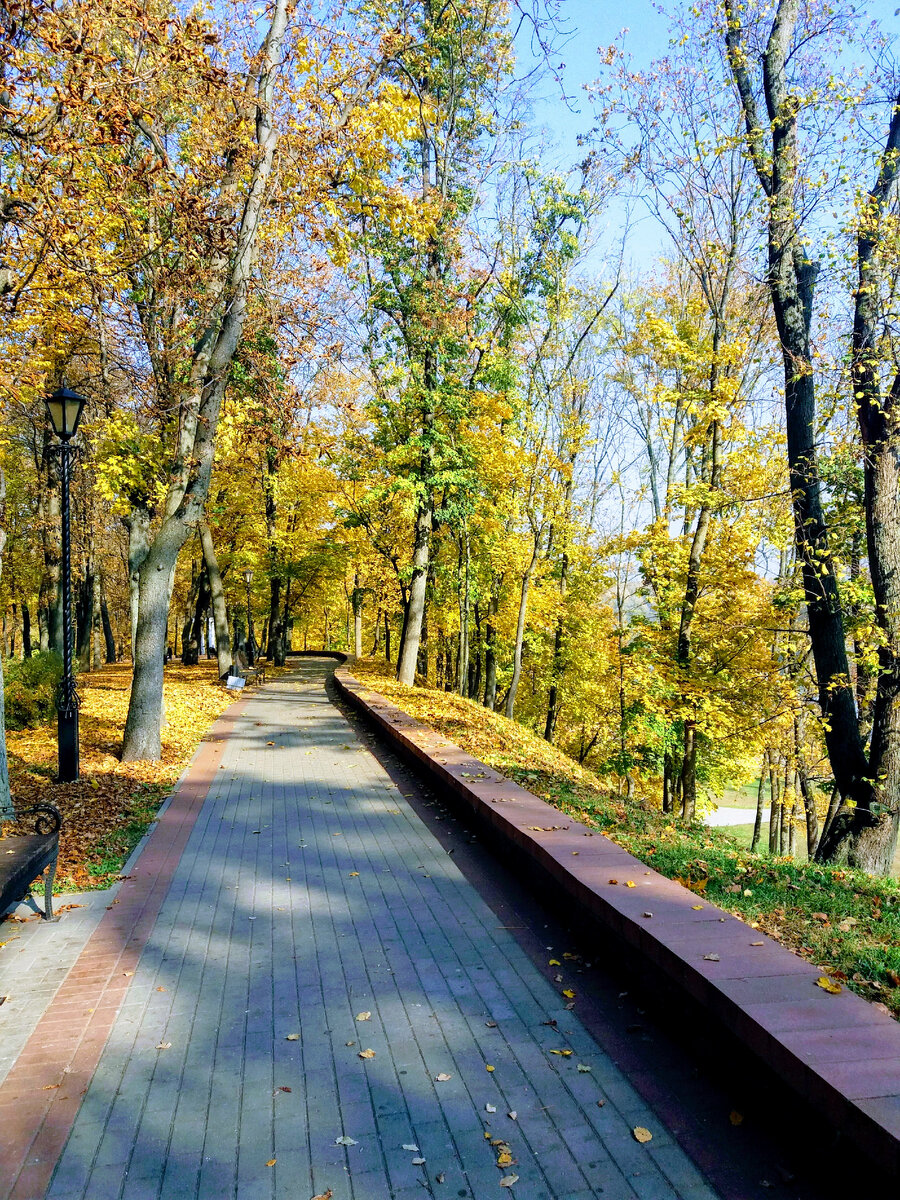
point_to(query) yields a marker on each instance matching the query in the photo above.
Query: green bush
(30, 690)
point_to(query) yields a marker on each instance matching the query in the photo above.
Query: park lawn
(843, 920)
(109, 809)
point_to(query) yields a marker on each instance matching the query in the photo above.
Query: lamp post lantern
(64, 408)
(251, 655)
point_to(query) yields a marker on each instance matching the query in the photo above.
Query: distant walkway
(322, 1006)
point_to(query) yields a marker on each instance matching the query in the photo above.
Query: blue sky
(596, 23)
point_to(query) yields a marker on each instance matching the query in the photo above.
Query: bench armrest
(47, 817)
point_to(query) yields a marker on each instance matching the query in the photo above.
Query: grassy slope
(840, 919)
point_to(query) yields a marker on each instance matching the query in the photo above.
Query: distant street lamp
(64, 408)
(248, 579)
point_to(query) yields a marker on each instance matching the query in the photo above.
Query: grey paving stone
(266, 931)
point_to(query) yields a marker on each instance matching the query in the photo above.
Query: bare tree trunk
(757, 824)
(108, 638)
(217, 600)
(520, 628)
(463, 663)
(356, 599)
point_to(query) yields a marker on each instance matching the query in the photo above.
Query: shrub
(30, 690)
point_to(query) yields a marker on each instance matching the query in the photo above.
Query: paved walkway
(306, 893)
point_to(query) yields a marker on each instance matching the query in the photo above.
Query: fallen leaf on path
(554, 962)
(491, 1024)
(271, 1162)
(828, 985)
(490, 1108)
(363, 1016)
(68, 907)
(443, 1077)
(354, 874)
(367, 1054)
(439, 1178)
(488, 1068)
(504, 1159)
(280, 1088)
(509, 1180)
(647, 914)
(164, 1046)
(324, 1195)
(612, 881)
(418, 1162)
(696, 907)
(630, 883)
(345, 1141)
(757, 943)
(568, 993)
(513, 1115)
(562, 1053)
(641, 1134)
(711, 958)
(414, 1148)
(583, 1068)
(292, 1037)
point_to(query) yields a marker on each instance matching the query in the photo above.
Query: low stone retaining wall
(838, 1052)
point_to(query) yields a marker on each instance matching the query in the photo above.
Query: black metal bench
(26, 857)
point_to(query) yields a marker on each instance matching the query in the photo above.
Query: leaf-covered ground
(108, 810)
(843, 920)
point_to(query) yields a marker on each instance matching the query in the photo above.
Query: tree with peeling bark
(775, 101)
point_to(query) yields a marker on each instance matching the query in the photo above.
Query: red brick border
(41, 1095)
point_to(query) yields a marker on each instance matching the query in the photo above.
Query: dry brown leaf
(363, 1016)
(164, 1046)
(271, 1162)
(324, 1195)
(443, 1077)
(366, 1054)
(641, 1134)
(292, 1037)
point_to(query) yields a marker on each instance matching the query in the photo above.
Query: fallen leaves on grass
(108, 809)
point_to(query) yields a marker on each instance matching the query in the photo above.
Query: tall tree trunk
(757, 824)
(356, 600)
(462, 670)
(809, 799)
(107, 625)
(865, 833)
(137, 524)
(557, 665)
(217, 601)
(387, 638)
(213, 353)
(27, 647)
(490, 653)
(520, 628)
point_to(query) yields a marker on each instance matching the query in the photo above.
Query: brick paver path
(309, 892)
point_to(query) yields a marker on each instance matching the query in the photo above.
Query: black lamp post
(65, 408)
(251, 656)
